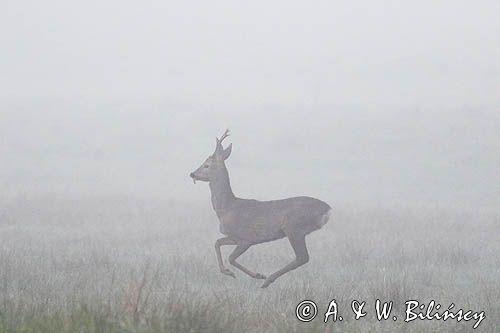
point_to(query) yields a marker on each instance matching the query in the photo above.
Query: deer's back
(262, 221)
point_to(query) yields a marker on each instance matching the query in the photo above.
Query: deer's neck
(222, 194)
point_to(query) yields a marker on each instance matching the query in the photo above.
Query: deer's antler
(225, 135)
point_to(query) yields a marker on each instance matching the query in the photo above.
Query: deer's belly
(251, 232)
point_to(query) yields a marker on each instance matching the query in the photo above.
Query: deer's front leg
(218, 244)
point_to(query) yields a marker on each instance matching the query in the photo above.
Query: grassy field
(121, 264)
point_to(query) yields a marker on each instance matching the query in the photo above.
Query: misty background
(355, 102)
(389, 111)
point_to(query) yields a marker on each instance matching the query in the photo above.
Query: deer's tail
(325, 217)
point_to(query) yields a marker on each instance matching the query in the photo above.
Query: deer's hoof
(228, 272)
(259, 276)
(266, 283)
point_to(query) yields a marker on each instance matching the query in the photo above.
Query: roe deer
(247, 222)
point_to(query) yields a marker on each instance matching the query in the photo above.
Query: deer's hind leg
(238, 251)
(298, 242)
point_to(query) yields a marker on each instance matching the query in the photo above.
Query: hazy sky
(377, 101)
(444, 53)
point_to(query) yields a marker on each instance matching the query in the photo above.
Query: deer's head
(214, 164)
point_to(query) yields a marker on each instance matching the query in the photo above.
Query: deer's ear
(227, 152)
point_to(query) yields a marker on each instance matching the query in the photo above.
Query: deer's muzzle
(192, 176)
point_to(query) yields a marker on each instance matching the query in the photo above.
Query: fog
(389, 111)
(291, 53)
(359, 156)
(366, 102)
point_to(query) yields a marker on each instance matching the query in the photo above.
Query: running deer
(247, 222)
